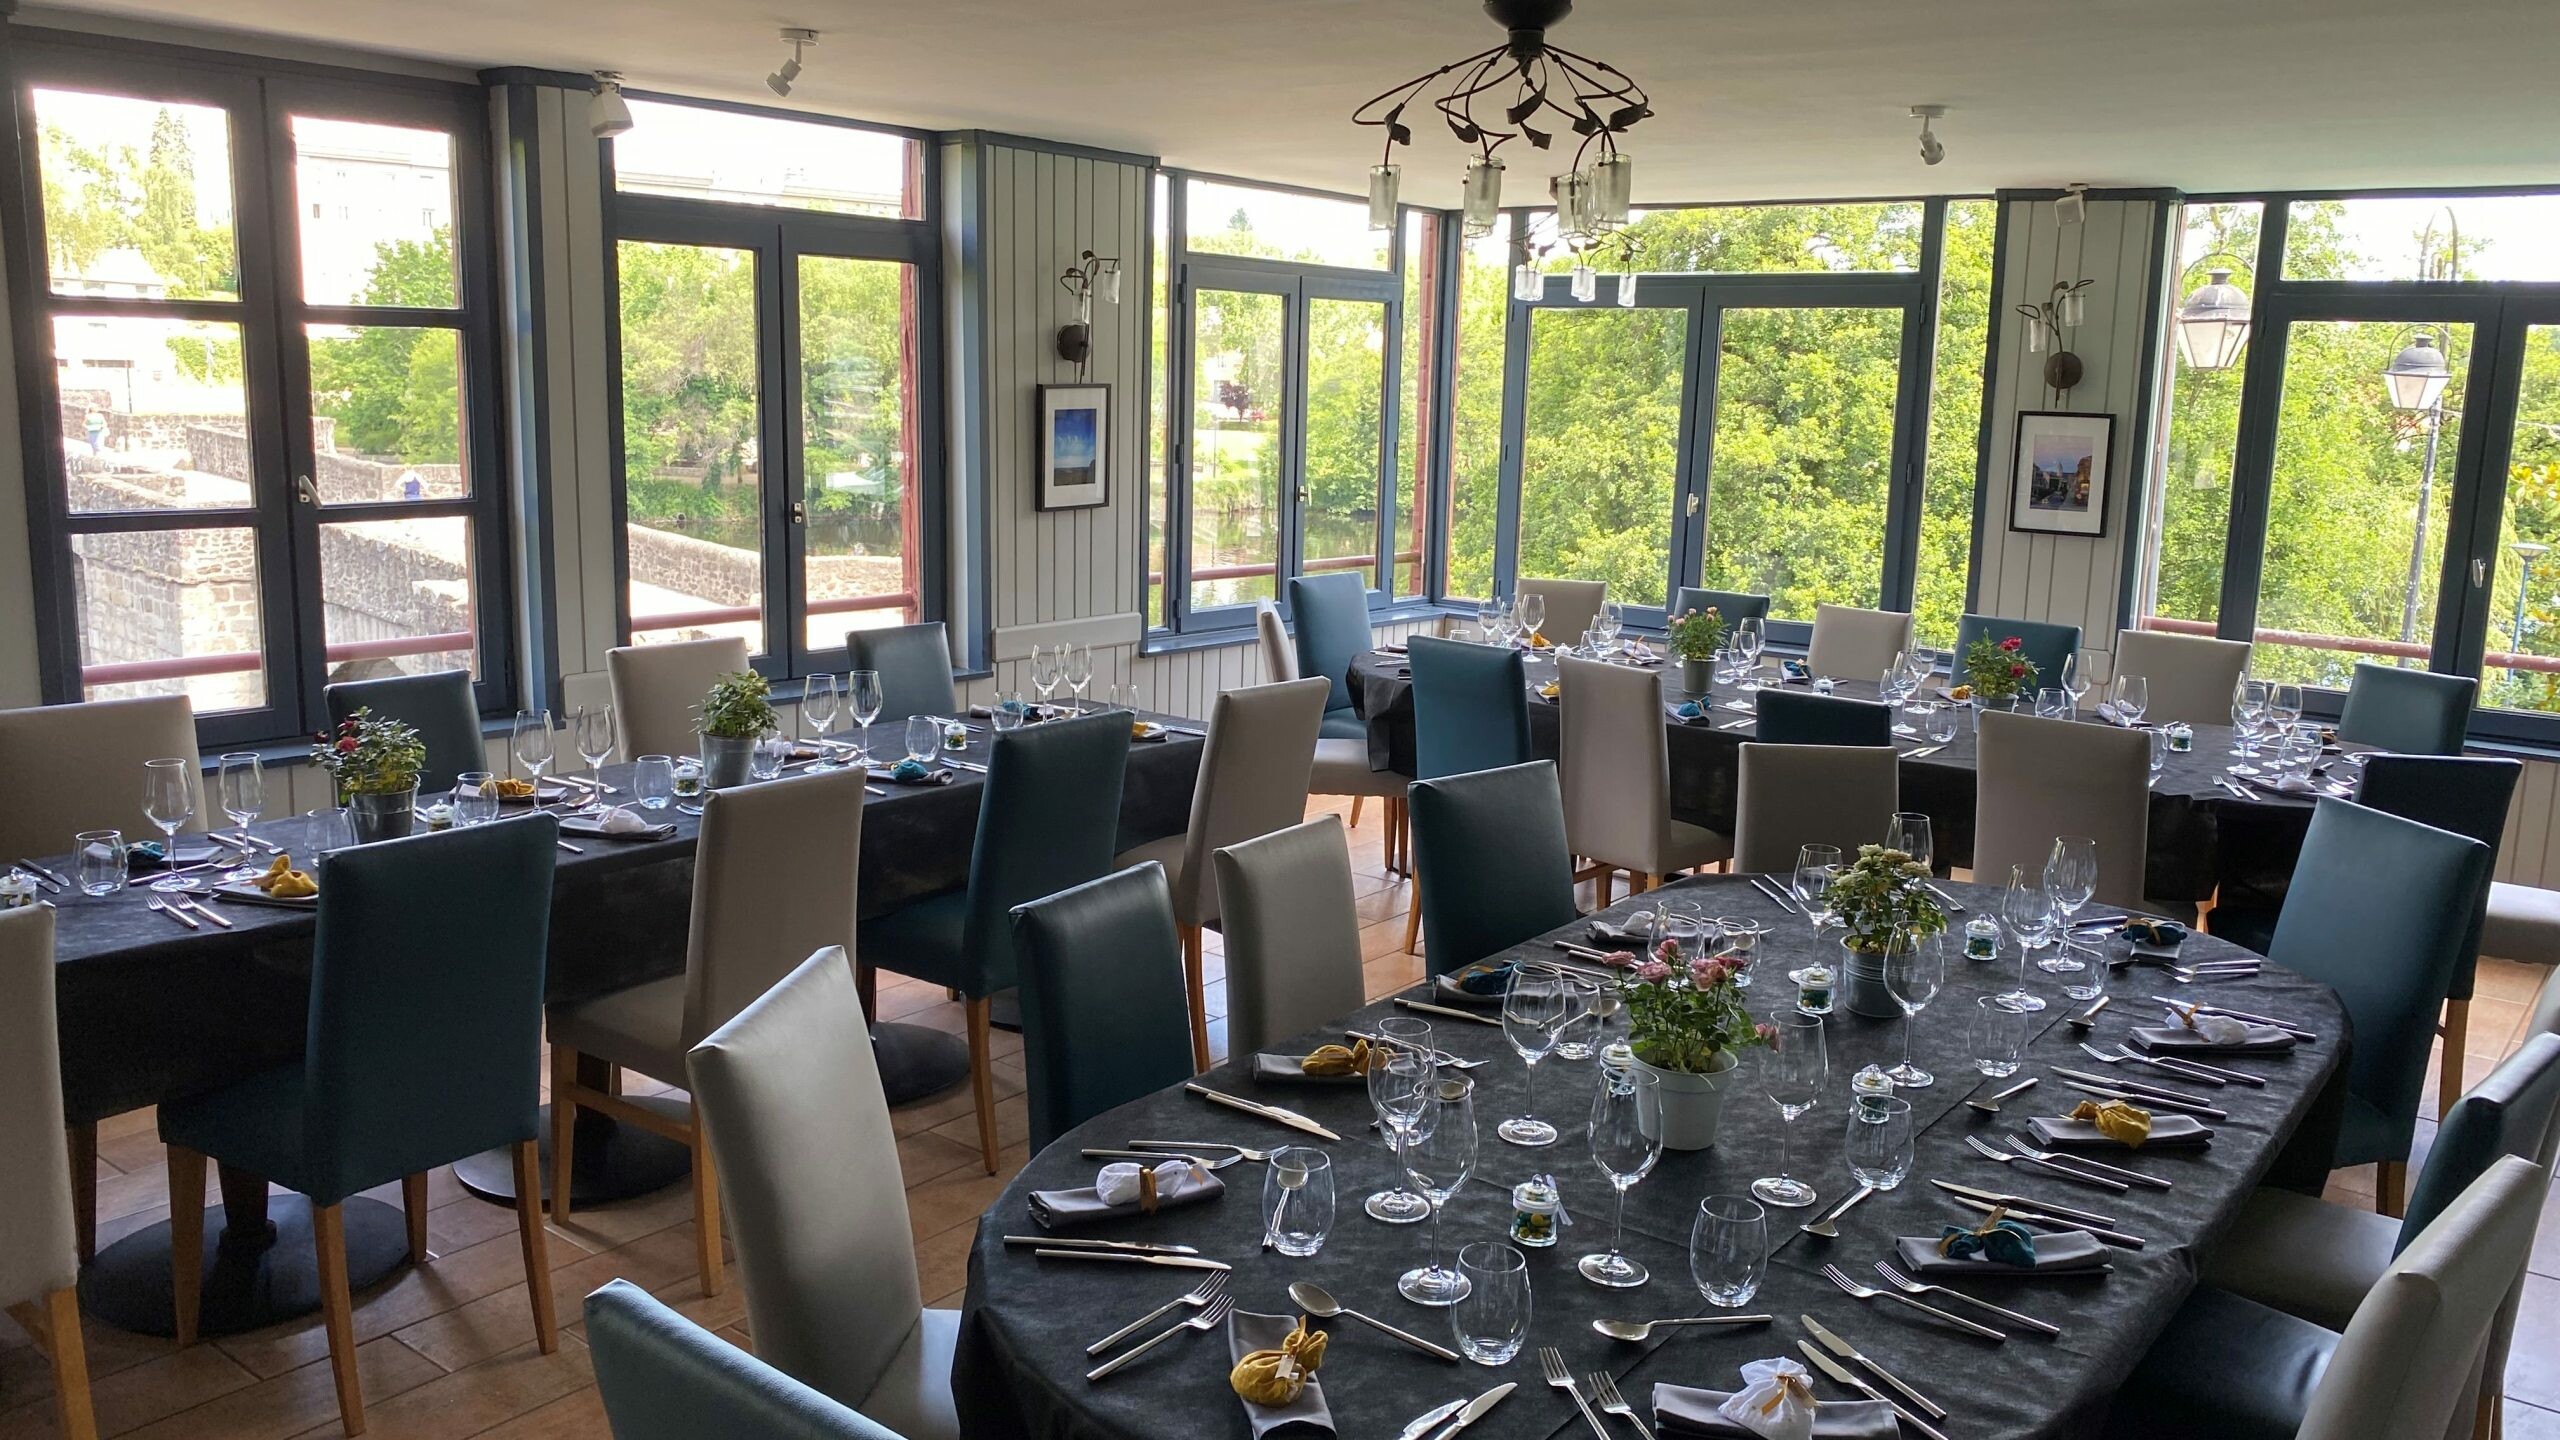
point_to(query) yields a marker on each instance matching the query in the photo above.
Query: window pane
(2523, 666)
(1159, 439)
(1237, 397)
(2503, 237)
(2356, 518)
(1955, 415)
(1757, 239)
(1418, 394)
(137, 197)
(2193, 517)
(154, 414)
(1475, 430)
(395, 597)
(1803, 458)
(386, 414)
(705, 154)
(1601, 448)
(1346, 385)
(171, 612)
(1223, 219)
(375, 203)
(858, 429)
(691, 474)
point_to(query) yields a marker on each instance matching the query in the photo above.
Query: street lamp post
(2415, 380)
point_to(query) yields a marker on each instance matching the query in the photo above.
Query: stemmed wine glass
(2248, 710)
(1078, 671)
(2132, 696)
(1914, 969)
(1612, 623)
(1909, 832)
(2284, 706)
(169, 801)
(1532, 608)
(1046, 666)
(593, 726)
(1536, 1006)
(1401, 1077)
(1438, 1152)
(1489, 621)
(2071, 876)
(244, 798)
(2076, 679)
(1626, 1141)
(820, 702)
(2027, 910)
(1816, 865)
(1747, 639)
(1793, 1069)
(864, 695)
(534, 746)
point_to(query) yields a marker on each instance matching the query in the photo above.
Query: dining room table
(1022, 1360)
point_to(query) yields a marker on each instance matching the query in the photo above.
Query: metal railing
(2353, 645)
(733, 614)
(234, 662)
(1249, 572)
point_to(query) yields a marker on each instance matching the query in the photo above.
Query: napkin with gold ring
(2057, 1252)
(1169, 1185)
(1685, 1411)
(1252, 1343)
(2168, 1132)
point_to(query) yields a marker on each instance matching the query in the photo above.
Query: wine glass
(169, 801)
(1046, 669)
(1794, 1067)
(820, 703)
(2284, 705)
(2053, 702)
(2132, 696)
(243, 785)
(1438, 1153)
(1729, 1250)
(1489, 621)
(2159, 753)
(1536, 1006)
(1816, 865)
(865, 697)
(1748, 638)
(2248, 709)
(1400, 1078)
(1941, 722)
(1613, 621)
(1918, 664)
(534, 746)
(1909, 832)
(1915, 968)
(2076, 677)
(593, 727)
(1587, 1010)
(924, 738)
(2026, 908)
(2071, 875)
(1626, 1141)
(1078, 672)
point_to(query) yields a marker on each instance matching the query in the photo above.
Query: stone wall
(718, 574)
(161, 594)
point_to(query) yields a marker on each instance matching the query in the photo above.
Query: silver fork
(1606, 1391)
(2195, 1070)
(1840, 1277)
(1205, 1320)
(1551, 1360)
(2122, 1056)
(1909, 1286)
(1208, 1290)
(2034, 1162)
(2019, 1144)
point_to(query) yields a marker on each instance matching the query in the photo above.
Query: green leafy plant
(739, 707)
(1999, 669)
(1882, 894)
(367, 756)
(1697, 634)
(1684, 1017)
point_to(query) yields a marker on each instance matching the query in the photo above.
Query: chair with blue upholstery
(1800, 717)
(914, 662)
(2046, 646)
(1735, 606)
(1470, 712)
(2412, 712)
(1048, 819)
(423, 1046)
(1495, 868)
(439, 706)
(1103, 1019)
(662, 1377)
(1332, 615)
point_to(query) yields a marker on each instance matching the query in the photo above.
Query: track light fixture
(1932, 149)
(607, 114)
(779, 82)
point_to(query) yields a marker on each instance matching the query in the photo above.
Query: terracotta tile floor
(447, 1351)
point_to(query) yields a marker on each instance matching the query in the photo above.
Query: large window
(261, 317)
(775, 321)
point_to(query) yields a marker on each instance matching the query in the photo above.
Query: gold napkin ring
(1147, 1191)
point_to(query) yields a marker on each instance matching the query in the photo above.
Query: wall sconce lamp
(1093, 277)
(2062, 310)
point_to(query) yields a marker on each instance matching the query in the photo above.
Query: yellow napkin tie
(1279, 1377)
(286, 883)
(1336, 1060)
(2118, 1121)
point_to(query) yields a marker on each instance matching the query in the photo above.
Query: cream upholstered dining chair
(1342, 764)
(1293, 934)
(39, 1259)
(790, 1093)
(1252, 781)
(1849, 643)
(1616, 770)
(2188, 677)
(1571, 606)
(658, 690)
(2036, 779)
(773, 881)
(1791, 796)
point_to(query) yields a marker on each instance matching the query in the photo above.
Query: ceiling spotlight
(607, 114)
(1932, 149)
(779, 82)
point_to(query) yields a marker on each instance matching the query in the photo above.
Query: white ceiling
(1753, 98)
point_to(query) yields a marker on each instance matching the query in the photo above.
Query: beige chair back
(1253, 780)
(1853, 644)
(1571, 606)
(2189, 677)
(2037, 779)
(37, 1254)
(1791, 796)
(1293, 936)
(70, 768)
(808, 1168)
(1279, 653)
(1615, 765)
(2406, 1362)
(773, 880)
(658, 690)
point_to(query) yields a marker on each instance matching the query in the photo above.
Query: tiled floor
(447, 1351)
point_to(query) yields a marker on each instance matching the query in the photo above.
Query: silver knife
(1179, 1262)
(1847, 1351)
(1423, 1422)
(2115, 1091)
(1476, 1409)
(1290, 1118)
(1129, 1247)
(1833, 1369)
(2034, 1215)
(2130, 1087)
(1430, 1009)
(2091, 1217)
(1770, 889)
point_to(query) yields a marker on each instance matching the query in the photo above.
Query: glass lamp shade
(1627, 291)
(2073, 309)
(1384, 180)
(1482, 197)
(1586, 283)
(1612, 186)
(1527, 284)
(2213, 324)
(1106, 284)
(2416, 377)
(1572, 193)
(2035, 337)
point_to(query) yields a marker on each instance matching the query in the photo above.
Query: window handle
(303, 492)
(2479, 573)
(799, 513)
(1302, 494)
(1694, 502)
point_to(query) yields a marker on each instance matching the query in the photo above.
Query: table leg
(260, 1266)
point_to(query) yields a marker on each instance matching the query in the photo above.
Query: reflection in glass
(1346, 385)
(1475, 425)
(2523, 664)
(154, 414)
(137, 197)
(1600, 447)
(395, 597)
(858, 437)
(386, 414)
(1225, 219)
(1418, 393)
(1955, 415)
(171, 612)
(375, 208)
(1238, 393)
(701, 153)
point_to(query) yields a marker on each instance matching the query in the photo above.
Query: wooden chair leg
(1387, 822)
(2391, 1188)
(866, 988)
(1638, 882)
(706, 1210)
(1355, 812)
(186, 1239)
(83, 1144)
(1194, 967)
(2456, 1029)
(1413, 917)
(564, 1120)
(1604, 883)
(58, 1329)
(982, 1081)
(536, 1244)
(337, 1312)
(413, 1205)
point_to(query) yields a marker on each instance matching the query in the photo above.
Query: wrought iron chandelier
(1531, 82)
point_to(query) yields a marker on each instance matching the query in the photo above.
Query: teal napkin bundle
(2003, 1242)
(910, 771)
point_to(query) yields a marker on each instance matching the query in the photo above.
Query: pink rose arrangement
(1687, 1015)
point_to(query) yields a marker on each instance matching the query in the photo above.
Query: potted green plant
(1696, 636)
(1882, 903)
(373, 764)
(737, 711)
(1997, 672)
(1688, 1024)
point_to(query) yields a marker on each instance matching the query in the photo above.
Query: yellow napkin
(1278, 1377)
(1335, 1060)
(511, 788)
(1550, 690)
(286, 883)
(2118, 1121)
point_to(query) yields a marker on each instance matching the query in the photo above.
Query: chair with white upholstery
(1791, 796)
(1616, 764)
(39, 1260)
(658, 690)
(2188, 677)
(790, 1093)
(1571, 606)
(1342, 763)
(2037, 779)
(1849, 643)
(1252, 781)
(1292, 934)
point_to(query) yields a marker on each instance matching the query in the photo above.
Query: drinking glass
(1626, 1141)
(331, 830)
(865, 698)
(1909, 831)
(1729, 1250)
(100, 857)
(2284, 704)
(243, 785)
(1438, 1154)
(1531, 610)
(1748, 639)
(1595, 642)
(533, 746)
(2132, 696)
(1816, 865)
(2071, 877)
(924, 739)
(1578, 1038)
(1999, 1036)
(2090, 981)
(772, 751)
(1491, 1320)
(1683, 925)
(1917, 664)
(1942, 724)
(593, 727)
(1078, 672)
(1613, 621)
(2053, 702)
(1297, 1199)
(1400, 1085)
(1794, 1066)
(653, 779)
(2159, 753)
(2027, 910)
(475, 797)
(2077, 679)
(169, 801)
(1488, 620)
(1914, 971)
(2248, 708)
(1046, 665)
(1879, 1142)
(1741, 938)
(1912, 717)
(1535, 1007)
(820, 703)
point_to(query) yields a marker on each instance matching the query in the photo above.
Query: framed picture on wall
(2060, 485)
(1075, 447)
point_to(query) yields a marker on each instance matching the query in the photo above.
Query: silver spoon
(1991, 1106)
(1827, 1227)
(1638, 1330)
(1319, 1302)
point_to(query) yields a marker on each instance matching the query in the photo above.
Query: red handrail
(2387, 649)
(1246, 572)
(234, 662)
(732, 614)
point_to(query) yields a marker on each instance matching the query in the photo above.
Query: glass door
(1237, 437)
(2518, 619)
(1347, 445)
(856, 507)
(1603, 434)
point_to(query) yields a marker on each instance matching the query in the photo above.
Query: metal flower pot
(1697, 676)
(725, 760)
(385, 815)
(1862, 984)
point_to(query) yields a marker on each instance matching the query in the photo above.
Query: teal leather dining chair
(1332, 617)
(2413, 712)
(1735, 606)
(662, 1377)
(1103, 1016)
(439, 706)
(423, 1046)
(2379, 910)
(1492, 864)
(1470, 707)
(1048, 819)
(2047, 646)
(1800, 717)
(914, 662)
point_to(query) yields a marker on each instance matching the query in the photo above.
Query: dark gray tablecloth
(1021, 1362)
(149, 1009)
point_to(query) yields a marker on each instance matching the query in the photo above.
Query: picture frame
(1075, 447)
(2060, 473)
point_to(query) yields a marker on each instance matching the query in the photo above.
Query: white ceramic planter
(1693, 1105)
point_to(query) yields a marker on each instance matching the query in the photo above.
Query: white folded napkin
(1118, 1182)
(623, 820)
(2216, 1029)
(1776, 1403)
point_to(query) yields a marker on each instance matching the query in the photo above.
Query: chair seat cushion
(913, 1397)
(256, 1125)
(920, 940)
(2523, 924)
(1342, 724)
(1689, 846)
(2226, 1369)
(641, 1028)
(2310, 1259)
(1342, 768)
